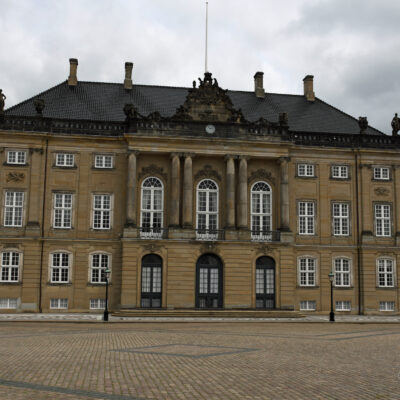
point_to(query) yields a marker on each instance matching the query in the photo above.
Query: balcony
(210, 234)
(153, 232)
(265, 236)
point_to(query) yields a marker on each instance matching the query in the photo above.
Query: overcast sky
(352, 47)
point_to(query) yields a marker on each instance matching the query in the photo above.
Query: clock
(210, 129)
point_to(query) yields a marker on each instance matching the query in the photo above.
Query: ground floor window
(59, 304)
(386, 306)
(308, 305)
(97, 304)
(8, 303)
(343, 305)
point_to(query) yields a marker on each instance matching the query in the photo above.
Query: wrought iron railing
(153, 232)
(265, 236)
(210, 234)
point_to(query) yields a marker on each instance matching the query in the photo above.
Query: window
(13, 208)
(16, 157)
(386, 306)
(385, 272)
(306, 170)
(340, 171)
(382, 220)
(64, 160)
(343, 305)
(101, 211)
(306, 217)
(261, 211)
(207, 209)
(62, 213)
(151, 215)
(61, 304)
(341, 219)
(60, 265)
(97, 304)
(382, 173)
(8, 303)
(342, 268)
(103, 161)
(308, 305)
(99, 263)
(307, 271)
(10, 264)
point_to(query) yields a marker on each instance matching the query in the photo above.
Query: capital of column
(282, 160)
(133, 151)
(228, 157)
(173, 155)
(191, 155)
(244, 157)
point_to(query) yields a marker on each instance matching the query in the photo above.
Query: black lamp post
(107, 275)
(331, 314)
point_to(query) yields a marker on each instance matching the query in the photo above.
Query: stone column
(188, 191)
(131, 190)
(284, 223)
(175, 190)
(230, 191)
(242, 223)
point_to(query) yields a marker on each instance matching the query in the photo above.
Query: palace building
(195, 198)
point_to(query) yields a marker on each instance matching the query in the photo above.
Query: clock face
(210, 129)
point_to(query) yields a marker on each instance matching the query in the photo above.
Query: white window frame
(307, 271)
(104, 161)
(343, 278)
(97, 304)
(8, 303)
(59, 304)
(306, 219)
(100, 278)
(61, 267)
(340, 171)
(383, 222)
(381, 173)
(101, 214)
(385, 269)
(153, 228)
(340, 305)
(10, 266)
(63, 211)
(16, 157)
(308, 305)
(340, 218)
(305, 170)
(264, 229)
(66, 160)
(384, 306)
(208, 233)
(15, 207)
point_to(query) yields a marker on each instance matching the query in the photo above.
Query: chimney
(128, 76)
(259, 85)
(73, 66)
(309, 88)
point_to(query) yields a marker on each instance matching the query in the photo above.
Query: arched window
(207, 210)
(151, 215)
(261, 211)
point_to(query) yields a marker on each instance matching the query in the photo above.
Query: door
(151, 281)
(265, 283)
(209, 285)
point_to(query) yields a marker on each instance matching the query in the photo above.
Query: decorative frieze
(207, 172)
(15, 177)
(261, 174)
(153, 170)
(380, 191)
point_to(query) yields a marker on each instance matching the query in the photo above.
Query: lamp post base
(105, 317)
(331, 316)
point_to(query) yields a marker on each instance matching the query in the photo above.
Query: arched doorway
(151, 281)
(265, 283)
(209, 282)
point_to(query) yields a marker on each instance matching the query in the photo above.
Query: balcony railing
(265, 236)
(210, 234)
(153, 233)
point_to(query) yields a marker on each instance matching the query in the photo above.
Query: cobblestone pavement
(229, 360)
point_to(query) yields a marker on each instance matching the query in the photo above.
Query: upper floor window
(306, 170)
(151, 215)
(16, 157)
(62, 212)
(64, 160)
(102, 211)
(207, 209)
(385, 272)
(342, 272)
(261, 210)
(100, 262)
(14, 205)
(341, 219)
(103, 161)
(59, 266)
(10, 265)
(306, 217)
(382, 220)
(340, 171)
(307, 271)
(382, 173)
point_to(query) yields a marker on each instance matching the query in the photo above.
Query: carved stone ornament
(264, 248)
(209, 246)
(15, 177)
(207, 172)
(261, 174)
(152, 247)
(380, 191)
(153, 170)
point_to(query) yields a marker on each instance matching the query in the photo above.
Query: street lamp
(332, 314)
(107, 276)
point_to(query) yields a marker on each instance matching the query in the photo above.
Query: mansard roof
(99, 101)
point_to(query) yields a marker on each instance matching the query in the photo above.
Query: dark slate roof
(99, 101)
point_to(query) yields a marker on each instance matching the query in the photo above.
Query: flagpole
(206, 35)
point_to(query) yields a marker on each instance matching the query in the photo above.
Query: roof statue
(2, 101)
(395, 125)
(363, 124)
